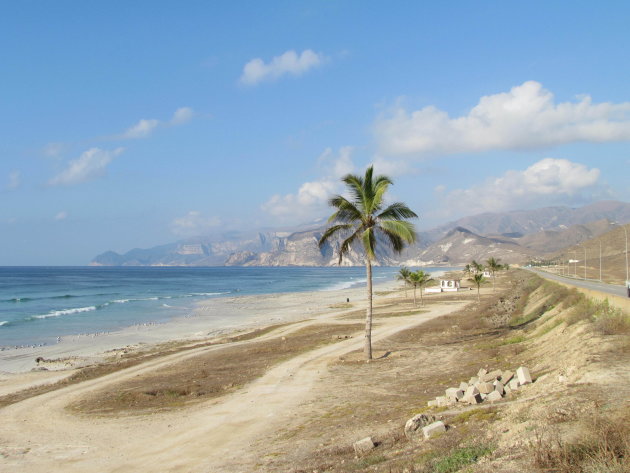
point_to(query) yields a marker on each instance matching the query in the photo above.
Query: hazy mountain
(511, 236)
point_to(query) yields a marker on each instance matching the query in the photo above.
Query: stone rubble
(486, 386)
(363, 446)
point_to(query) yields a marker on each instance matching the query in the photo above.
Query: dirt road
(40, 435)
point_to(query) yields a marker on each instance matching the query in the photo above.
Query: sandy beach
(209, 435)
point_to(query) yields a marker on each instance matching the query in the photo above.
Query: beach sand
(48, 432)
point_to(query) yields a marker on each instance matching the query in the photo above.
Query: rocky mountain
(511, 236)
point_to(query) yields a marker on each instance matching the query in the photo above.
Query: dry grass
(207, 375)
(604, 447)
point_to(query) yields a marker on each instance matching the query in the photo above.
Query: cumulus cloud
(547, 182)
(526, 117)
(90, 165)
(146, 126)
(15, 179)
(53, 150)
(312, 197)
(194, 223)
(61, 215)
(289, 63)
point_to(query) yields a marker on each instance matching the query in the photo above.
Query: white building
(446, 285)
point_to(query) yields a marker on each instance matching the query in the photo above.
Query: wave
(58, 313)
(193, 294)
(18, 299)
(345, 285)
(4, 322)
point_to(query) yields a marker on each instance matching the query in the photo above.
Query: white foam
(58, 313)
(4, 322)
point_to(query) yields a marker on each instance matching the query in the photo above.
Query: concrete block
(463, 386)
(433, 429)
(523, 376)
(471, 391)
(513, 384)
(508, 390)
(442, 401)
(498, 387)
(450, 393)
(485, 388)
(432, 403)
(483, 396)
(494, 396)
(489, 377)
(506, 376)
(473, 399)
(361, 447)
(481, 372)
(413, 427)
(474, 380)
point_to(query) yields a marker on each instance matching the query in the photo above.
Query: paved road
(594, 285)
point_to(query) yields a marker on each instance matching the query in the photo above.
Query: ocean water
(39, 304)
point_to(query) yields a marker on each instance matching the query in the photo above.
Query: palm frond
(400, 228)
(347, 212)
(397, 211)
(345, 245)
(356, 186)
(331, 231)
(369, 243)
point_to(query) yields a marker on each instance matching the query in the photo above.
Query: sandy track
(40, 435)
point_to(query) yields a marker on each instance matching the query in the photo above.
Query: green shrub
(459, 458)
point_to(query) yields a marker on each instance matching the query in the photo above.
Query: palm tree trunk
(414, 295)
(492, 281)
(478, 293)
(368, 317)
(421, 299)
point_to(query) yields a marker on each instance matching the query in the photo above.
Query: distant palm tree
(419, 279)
(361, 219)
(478, 279)
(493, 266)
(476, 267)
(468, 269)
(403, 275)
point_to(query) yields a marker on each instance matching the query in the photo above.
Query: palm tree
(403, 275)
(493, 266)
(361, 218)
(478, 279)
(468, 269)
(419, 279)
(476, 267)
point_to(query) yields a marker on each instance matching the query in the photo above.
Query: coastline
(210, 319)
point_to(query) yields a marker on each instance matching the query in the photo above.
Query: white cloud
(182, 115)
(142, 129)
(61, 215)
(15, 179)
(90, 165)
(194, 223)
(311, 199)
(289, 63)
(526, 117)
(146, 126)
(547, 182)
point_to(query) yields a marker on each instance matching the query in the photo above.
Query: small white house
(446, 285)
(487, 274)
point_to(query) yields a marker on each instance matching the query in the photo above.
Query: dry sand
(40, 435)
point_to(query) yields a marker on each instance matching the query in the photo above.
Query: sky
(132, 124)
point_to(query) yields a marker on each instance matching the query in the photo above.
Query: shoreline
(209, 319)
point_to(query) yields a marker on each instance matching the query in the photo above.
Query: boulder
(433, 429)
(414, 426)
(361, 447)
(523, 376)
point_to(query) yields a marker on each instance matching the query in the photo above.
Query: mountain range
(512, 236)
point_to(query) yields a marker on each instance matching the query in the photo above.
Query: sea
(40, 304)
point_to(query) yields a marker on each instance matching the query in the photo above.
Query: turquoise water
(39, 304)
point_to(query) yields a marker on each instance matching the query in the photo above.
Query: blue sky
(132, 124)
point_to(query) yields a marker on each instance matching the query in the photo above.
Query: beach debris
(414, 426)
(486, 386)
(361, 447)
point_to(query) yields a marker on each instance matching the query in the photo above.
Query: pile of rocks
(486, 386)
